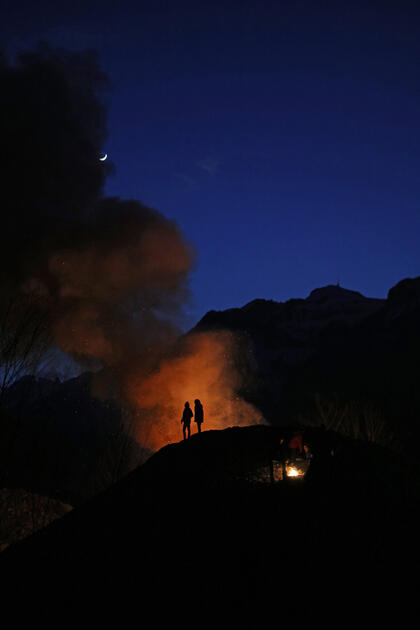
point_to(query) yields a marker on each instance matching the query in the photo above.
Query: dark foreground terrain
(198, 536)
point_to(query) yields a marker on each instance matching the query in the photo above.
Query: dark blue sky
(282, 136)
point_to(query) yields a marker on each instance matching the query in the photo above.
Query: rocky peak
(334, 292)
(406, 291)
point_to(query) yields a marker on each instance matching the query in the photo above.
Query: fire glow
(203, 368)
(297, 469)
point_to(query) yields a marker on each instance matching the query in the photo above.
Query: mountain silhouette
(336, 348)
(336, 357)
(60, 440)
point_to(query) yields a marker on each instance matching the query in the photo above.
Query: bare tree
(24, 344)
(358, 419)
(24, 339)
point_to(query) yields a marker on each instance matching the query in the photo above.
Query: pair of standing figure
(188, 414)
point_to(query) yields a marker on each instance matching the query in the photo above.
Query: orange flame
(203, 370)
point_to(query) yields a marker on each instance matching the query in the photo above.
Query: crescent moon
(102, 159)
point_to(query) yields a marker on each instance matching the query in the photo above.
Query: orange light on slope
(204, 369)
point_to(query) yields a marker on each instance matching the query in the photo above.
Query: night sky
(283, 137)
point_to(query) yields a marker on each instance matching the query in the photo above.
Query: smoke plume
(110, 277)
(106, 280)
(53, 125)
(119, 292)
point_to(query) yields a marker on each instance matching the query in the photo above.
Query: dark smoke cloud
(109, 276)
(53, 125)
(117, 294)
(105, 279)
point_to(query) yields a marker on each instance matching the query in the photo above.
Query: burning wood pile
(290, 460)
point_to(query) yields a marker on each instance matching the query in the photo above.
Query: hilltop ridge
(193, 521)
(322, 305)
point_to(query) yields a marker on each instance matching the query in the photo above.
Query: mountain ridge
(308, 360)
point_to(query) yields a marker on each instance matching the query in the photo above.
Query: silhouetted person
(186, 420)
(322, 448)
(198, 414)
(296, 445)
(283, 456)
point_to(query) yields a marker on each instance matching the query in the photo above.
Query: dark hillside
(197, 535)
(60, 441)
(335, 357)
(284, 338)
